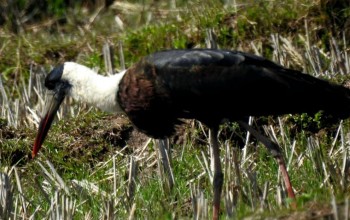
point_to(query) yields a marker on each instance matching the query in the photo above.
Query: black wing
(212, 85)
(218, 84)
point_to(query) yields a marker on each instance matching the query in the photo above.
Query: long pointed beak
(46, 121)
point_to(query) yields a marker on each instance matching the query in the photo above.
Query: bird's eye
(54, 77)
(50, 85)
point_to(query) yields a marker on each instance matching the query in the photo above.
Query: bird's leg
(218, 175)
(276, 153)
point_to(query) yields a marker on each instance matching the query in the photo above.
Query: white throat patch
(92, 88)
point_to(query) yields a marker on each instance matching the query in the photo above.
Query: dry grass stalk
(53, 177)
(6, 196)
(21, 194)
(132, 180)
(164, 164)
(108, 55)
(199, 203)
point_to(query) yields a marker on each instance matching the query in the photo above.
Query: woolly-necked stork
(209, 85)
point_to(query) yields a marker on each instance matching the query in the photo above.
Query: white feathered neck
(92, 88)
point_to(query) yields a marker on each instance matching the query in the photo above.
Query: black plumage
(214, 85)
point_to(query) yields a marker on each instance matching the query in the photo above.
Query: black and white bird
(209, 85)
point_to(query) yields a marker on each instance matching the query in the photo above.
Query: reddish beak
(46, 121)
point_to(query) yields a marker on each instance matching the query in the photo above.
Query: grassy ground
(96, 166)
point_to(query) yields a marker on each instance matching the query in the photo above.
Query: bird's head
(83, 85)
